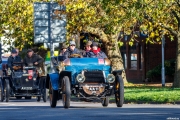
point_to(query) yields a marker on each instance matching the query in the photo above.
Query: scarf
(96, 51)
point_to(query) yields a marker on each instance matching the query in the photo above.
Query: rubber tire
(18, 97)
(44, 91)
(53, 95)
(38, 98)
(119, 91)
(66, 92)
(28, 97)
(45, 94)
(2, 91)
(105, 101)
(7, 88)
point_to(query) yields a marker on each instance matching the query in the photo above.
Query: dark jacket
(29, 61)
(70, 52)
(12, 60)
(100, 54)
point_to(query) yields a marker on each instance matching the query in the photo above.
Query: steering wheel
(75, 56)
(16, 67)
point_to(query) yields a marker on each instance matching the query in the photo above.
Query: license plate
(94, 88)
(26, 88)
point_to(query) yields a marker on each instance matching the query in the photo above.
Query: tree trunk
(177, 67)
(112, 49)
(113, 53)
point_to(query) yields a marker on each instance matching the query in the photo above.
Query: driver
(71, 50)
(12, 59)
(32, 59)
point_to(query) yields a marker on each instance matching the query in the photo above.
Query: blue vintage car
(84, 78)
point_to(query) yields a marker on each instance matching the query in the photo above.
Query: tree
(102, 18)
(157, 19)
(17, 21)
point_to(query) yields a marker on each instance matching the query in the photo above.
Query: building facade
(141, 57)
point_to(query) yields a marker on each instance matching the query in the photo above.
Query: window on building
(133, 57)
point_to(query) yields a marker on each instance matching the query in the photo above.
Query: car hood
(87, 61)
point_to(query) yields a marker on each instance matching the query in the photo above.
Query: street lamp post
(163, 69)
(50, 37)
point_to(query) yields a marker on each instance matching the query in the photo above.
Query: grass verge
(150, 94)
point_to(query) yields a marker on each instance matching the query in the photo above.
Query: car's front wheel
(53, 95)
(119, 91)
(66, 92)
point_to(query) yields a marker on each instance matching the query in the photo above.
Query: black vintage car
(22, 82)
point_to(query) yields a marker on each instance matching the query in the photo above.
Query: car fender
(54, 79)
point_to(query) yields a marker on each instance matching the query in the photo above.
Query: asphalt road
(32, 110)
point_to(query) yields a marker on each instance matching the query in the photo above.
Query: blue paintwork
(4, 61)
(79, 64)
(54, 78)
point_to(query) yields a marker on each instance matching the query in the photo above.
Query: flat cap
(95, 44)
(14, 51)
(88, 43)
(29, 50)
(72, 43)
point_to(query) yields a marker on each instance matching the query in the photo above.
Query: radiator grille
(94, 76)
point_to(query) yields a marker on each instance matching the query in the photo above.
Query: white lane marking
(8, 108)
(7, 104)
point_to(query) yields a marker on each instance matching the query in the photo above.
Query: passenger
(18, 54)
(87, 48)
(32, 59)
(12, 59)
(63, 49)
(72, 50)
(96, 52)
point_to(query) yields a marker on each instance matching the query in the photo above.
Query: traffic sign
(47, 26)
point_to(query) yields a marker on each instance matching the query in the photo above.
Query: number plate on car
(26, 88)
(94, 88)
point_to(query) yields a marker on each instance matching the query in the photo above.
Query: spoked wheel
(105, 101)
(119, 91)
(53, 95)
(2, 90)
(7, 90)
(66, 92)
(44, 91)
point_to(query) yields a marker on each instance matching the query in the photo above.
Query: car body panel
(54, 78)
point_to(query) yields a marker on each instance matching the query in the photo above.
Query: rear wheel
(7, 90)
(66, 92)
(53, 95)
(119, 91)
(44, 91)
(2, 91)
(105, 101)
